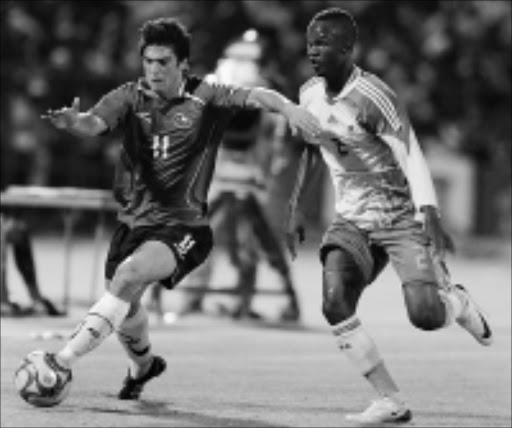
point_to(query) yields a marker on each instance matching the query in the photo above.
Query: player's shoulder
(373, 87)
(197, 88)
(379, 98)
(310, 87)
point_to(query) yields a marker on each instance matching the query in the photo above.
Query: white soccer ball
(40, 382)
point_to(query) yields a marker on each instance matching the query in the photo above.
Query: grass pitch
(223, 373)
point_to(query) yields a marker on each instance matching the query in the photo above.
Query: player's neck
(173, 91)
(337, 81)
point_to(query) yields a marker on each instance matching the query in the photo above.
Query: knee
(126, 278)
(426, 320)
(336, 311)
(342, 286)
(424, 307)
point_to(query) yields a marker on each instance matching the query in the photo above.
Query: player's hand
(299, 119)
(295, 230)
(65, 117)
(439, 238)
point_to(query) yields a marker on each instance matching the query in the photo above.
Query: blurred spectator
(15, 233)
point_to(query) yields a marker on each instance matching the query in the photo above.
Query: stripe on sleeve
(381, 100)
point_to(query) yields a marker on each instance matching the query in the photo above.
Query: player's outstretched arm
(295, 228)
(299, 119)
(72, 120)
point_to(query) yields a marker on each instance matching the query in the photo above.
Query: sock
(133, 333)
(101, 320)
(357, 345)
(361, 350)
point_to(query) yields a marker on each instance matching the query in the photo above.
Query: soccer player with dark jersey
(172, 124)
(385, 209)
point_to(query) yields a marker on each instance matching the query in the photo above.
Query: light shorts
(406, 245)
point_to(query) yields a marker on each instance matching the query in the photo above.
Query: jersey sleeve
(389, 120)
(113, 106)
(304, 101)
(382, 111)
(418, 174)
(221, 95)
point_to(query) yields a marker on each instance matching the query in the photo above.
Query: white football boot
(473, 319)
(382, 410)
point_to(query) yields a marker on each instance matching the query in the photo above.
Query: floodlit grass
(221, 373)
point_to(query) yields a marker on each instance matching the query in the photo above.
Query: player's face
(163, 72)
(326, 48)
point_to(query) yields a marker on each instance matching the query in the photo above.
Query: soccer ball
(40, 381)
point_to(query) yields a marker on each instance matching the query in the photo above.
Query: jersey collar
(349, 84)
(143, 86)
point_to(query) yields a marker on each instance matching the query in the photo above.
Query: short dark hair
(345, 20)
(166, 32)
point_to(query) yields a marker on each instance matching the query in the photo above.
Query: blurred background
(449, 60)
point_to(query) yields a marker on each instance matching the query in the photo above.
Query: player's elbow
(97, 125)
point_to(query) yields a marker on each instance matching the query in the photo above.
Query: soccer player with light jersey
(386, 209)
(172, 124)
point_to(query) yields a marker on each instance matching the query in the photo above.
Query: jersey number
(422, 257)
(160, 146)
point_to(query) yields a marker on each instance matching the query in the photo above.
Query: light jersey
(379, 173)
(169, 148)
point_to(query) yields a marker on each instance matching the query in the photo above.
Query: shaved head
(343, 23)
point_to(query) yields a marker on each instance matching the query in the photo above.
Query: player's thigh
(355, 243)
(348, 267)
(415, 265)
(410, 254)
(152, 261)
(343, 278)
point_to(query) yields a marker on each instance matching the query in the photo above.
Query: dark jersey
(169, 148)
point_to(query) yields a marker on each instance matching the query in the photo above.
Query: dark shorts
(191, 246)
(405, 245)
